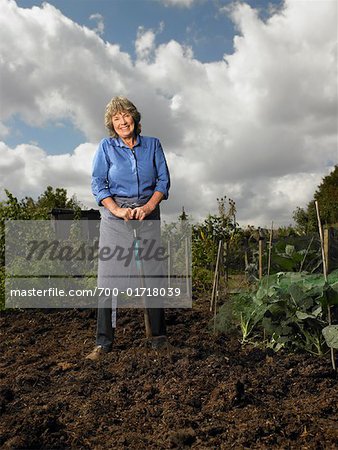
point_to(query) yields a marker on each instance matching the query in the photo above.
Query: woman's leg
(106, 322)
(157, 321)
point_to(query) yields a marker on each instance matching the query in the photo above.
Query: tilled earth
(208, 393)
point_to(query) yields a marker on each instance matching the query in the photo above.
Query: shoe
(96, 354)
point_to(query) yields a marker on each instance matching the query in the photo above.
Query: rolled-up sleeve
(100, 185)
(163, 177)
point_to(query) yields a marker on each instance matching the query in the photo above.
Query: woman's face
(123, 124)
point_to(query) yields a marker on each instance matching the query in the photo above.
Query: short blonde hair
(117, 105)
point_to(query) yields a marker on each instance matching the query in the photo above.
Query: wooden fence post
(260, 256)
(169, 263)
(216, 276)
(327, 232)
(226, 275)
(187, 279)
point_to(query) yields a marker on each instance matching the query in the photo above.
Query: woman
(130, 178)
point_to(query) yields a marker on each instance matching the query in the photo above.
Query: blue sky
(243, 96)
(209, 32)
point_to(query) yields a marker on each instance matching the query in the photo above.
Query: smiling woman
(130, 178)
(129, 165)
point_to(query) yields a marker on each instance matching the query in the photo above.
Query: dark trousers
(105, 330)
(114, 230)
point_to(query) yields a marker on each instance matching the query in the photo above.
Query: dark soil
(209, 393)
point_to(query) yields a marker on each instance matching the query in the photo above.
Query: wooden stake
(325, 277)
(307, 251)
(246, 259)
(226, 275)
(327, 248)
(216, 301)
(169, 262)
(214, 287)
(321, 241)
(270, 248)
(187, 280)
(260, 257)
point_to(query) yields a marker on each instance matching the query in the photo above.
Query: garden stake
(326, 239)
(307, 251)
(325, 278)
(270, 248)
(227, 246)
(216, 298)
(169, 262)
(260, 255)
(215, 276)
(187, 266)
(217, 289)
(269, 261)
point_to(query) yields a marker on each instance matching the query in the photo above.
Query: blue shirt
(120, 171)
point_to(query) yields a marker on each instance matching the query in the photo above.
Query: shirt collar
(120, 143)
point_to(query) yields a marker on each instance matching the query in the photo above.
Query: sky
(242, 95)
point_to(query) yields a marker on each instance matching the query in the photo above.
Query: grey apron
(118, 269)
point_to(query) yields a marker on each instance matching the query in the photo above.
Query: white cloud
(145, 43)
(259, 126)
(181, 3)
(99, 23)
(28, 170)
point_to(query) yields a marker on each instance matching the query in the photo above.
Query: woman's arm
(100, 185)
(162, 185)
(163, 177)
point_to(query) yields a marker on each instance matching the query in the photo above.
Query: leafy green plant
(290, 310)
(295, 253)
(202, 279)
(330, 334)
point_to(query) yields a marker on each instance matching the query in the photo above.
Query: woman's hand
(124, 213)
(113, 208)
(142, 212)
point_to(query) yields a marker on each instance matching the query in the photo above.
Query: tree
(30, 209)
(301, 218)
(327, 197)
